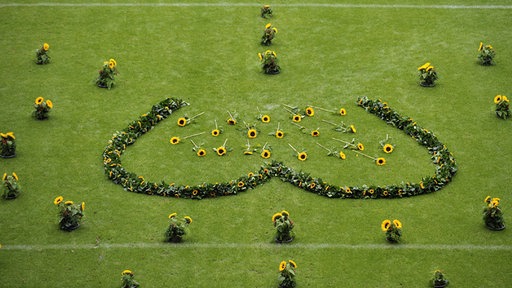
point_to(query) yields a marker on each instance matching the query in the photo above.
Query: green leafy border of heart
(445, 165)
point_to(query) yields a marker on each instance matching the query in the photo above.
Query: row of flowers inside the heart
(445, 165)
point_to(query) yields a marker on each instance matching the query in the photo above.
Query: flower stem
(346, 142)
(320, 108)
(216, 126)
(224, 145)
(194, 143)
(293, 148)
(193, 135)
(329, 150)
(193, 117)
(366, 155)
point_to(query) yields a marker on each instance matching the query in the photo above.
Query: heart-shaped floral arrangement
(445, 165)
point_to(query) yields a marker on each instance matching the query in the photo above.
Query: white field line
(320, 246)
(223, 4)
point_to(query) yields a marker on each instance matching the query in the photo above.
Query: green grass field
(206, 54)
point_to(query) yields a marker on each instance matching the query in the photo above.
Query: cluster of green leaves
(7, 144)
(11, 186)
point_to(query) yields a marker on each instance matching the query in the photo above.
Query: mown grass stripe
(313, 246)
(222, 4)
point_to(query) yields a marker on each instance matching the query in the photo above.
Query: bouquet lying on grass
(7, 145)
(177, 228)
(106, 77)
(70, 214)
(42, 54)
(11, 186)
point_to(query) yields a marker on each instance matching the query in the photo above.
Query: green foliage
(266, 11)
(439, 280)
(492, 214)
(7, 145)
(268, 35)
(70, 214)
(427, 74)
(107, 73)
(42, 56)
(128, 280)
(486, 54)
(502, 107)
(11, 187)
(269, 62)
(177, 228)
(42, 108)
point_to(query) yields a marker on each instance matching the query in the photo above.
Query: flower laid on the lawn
(177, 227)
(177, 140)
(380, 161)
(284, 226)
(185, 120)
(393, 230)
(252, 132)
(493, 216)
(200, 152)
(309, 111)
(427, 74)
(486, 54)
(333, 152)
(502, 106)
(268, 34)
(11, 186)
(70, 214)
(386, 145)
(248, 149)
(266, 11)
(279, 134)
(128, 280)
(7, 145)
(287, 272)
(269, 62)
(107, 73)
(342, 127)
(222, 150)
(351, 145)
(263, 117)
(439, 280)
(232, 118)
(42, 54)
(218, 130)
(42, 108)
(302, 156)
(315, 133)
(265, 151)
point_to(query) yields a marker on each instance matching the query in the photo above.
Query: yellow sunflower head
(353, 129)
(343, 112)
(285, 213)
(49, 103)
(114, 63)
(260, 56)
(215, 132)
(172, 215)
(268, 25)
(498, 99)
(292, 263)
(385, 225)
(279, 134)
(360, 146)
(10, 135)
(342, 155)
(82, 206)
(480, 46)
(296, 118)
(127, 272)
(315, 133)
(397, 224)
(39, 100)
(302, 156)
(201, 152)
(111, 65)
(241, 184)
(276, 216)
(387, 148)
(58, 200)
(175, 140)
(4, 177)
(265, 119)
(221, 150)
(282, 265)
(265, 154)
(15, 176)
(231, 121)
(46, 46)
(380, 161)
(69, 202)
(188, 219)
(182, 121)
(252, 133)
(487, 199)
(310, 111)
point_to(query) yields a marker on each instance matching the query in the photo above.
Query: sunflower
(285, 213)
(352, 129)
(385, 225)
(215, 132)
(58, 200)
(111, 65)
(46, 46)
(127, 272)
(380, 161)
(296, 118)
(312, 185)
(82, 206)
(221, 150)
(276, 216)
(201, 152)
(194, 192)
(265, 119)
(385, 193)
(252, 133)
(302, 156)
(231, 121)
(4, 177)
(182, 121)
(260, 56)
(69, 202)
(49, 103)
(113, 62)
(424, 66)
(486, 200)
(172, 215)
(175, 140)
(387, 148)
(279, 134)
(497, 99)
(282, 265)
(240, 184)
(292, 263)
(429, 68)
(310, 111)
(342, 155)
(39, 100)
(275, 29)
(265, 154)
(268, 25)
(371, 191)
(250, 174)
(480, 46)
(246, 152)
(10, 134)
(315, 133)
(188, 219)
(397, 224)
(360, 146)
(343, 112)
(15, 176)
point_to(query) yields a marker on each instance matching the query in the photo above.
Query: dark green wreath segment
(443, 160)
